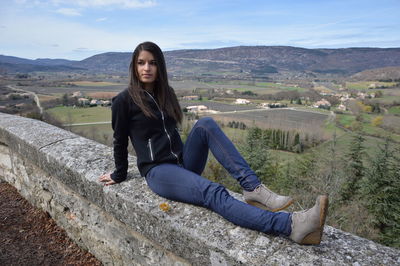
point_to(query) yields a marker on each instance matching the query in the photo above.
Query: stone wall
(124, 225)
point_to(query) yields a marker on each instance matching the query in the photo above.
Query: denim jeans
(185, 183)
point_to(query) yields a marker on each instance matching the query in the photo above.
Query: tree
(297, 146)
(355, 168)
(381, 191)
(378, 94)
(257, 155)
(65, 99)
(376, 108)
(302, 176)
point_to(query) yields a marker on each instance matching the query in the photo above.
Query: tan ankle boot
(308, 225)
(264, 198)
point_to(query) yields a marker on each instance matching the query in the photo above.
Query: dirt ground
(28, 236)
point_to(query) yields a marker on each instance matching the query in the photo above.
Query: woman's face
(146, 68)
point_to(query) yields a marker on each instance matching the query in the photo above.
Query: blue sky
(77, 29)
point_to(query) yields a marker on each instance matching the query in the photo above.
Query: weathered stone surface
(113, 242)
(123, 224)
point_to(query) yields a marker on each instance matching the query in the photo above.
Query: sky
(77, 29)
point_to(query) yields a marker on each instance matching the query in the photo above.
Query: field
(101, 94)
(388, 99)
(45, 98)
(311, 123)
(101, 133)
(94, 83)
(348, 121)
(70, 115)
(363, 85)
(394, 110)
(256, 87)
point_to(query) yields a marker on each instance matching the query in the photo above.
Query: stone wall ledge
(124, 225)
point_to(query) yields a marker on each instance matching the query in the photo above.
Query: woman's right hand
(106, 179)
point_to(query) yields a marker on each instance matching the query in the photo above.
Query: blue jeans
(185, 183)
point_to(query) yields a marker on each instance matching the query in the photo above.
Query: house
(191, 98)
(344, 97)
(77, 94)
(94, 102)
(342, 107)
(361, 95)
(83, 101)
(242, 101)
(324, 104)
(197, 108)
(105, 103)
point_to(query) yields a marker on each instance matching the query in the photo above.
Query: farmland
(362, 85)
(256, 87)
(94, 83)
(389, 127)
(307, 122)
(70, 115)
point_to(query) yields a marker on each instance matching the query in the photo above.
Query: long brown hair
(165, 95)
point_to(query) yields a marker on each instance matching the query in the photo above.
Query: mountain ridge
(244, 61)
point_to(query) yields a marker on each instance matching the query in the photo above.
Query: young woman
(148, 112)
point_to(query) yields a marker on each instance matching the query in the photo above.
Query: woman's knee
(206, 122)
(215, 196)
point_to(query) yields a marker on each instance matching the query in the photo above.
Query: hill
(15, 64)
(385, 73)
(239, 62)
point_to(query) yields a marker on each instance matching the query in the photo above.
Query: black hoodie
(155, 140)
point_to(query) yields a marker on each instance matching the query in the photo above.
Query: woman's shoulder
(121, 96)
(124, 100)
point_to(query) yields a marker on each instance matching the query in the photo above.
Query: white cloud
(68, 12)
(108, 3)
(44, 32)
(101, 19)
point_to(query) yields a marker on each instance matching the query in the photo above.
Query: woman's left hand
(106, 179)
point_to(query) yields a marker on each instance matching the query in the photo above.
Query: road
(34, 96)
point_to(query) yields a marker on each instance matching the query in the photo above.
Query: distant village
(343, 97)
(79, 100)
(82, 101)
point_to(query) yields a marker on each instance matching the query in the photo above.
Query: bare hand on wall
(106, 179)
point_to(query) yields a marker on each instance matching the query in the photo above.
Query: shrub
(377, 121)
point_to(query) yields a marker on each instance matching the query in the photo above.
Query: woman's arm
(120, 125)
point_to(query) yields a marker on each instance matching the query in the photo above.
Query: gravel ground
(28, 236)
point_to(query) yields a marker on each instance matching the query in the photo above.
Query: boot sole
(262, 206)
(314, 238)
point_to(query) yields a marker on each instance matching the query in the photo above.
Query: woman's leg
(206, 134)
(176, 183)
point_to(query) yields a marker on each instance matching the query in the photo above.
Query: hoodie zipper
(165, 129)
(151, 150)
